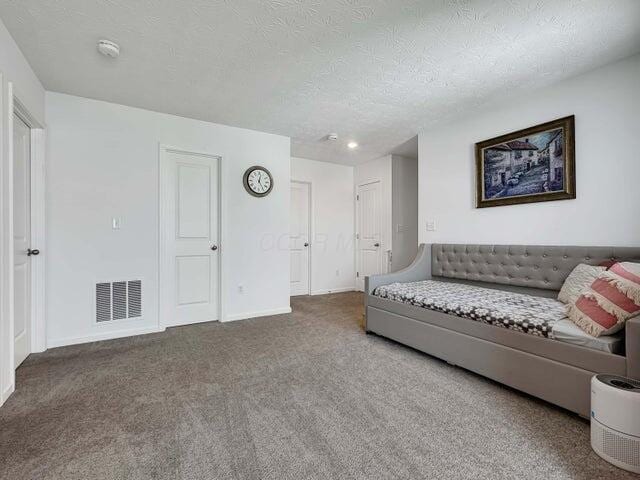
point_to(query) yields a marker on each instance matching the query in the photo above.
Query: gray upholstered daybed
(547, 368)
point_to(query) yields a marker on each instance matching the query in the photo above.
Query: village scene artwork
(527, 166)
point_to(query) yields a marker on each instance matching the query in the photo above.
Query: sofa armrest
(632, 347)
(420, 269)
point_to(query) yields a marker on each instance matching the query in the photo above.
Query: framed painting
(536, 164)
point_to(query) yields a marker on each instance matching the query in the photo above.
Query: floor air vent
(118, 300)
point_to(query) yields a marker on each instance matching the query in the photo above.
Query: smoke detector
(108, 48)
(332, 137)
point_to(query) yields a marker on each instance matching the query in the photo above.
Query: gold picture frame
(536, 164)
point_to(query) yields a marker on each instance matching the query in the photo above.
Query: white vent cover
(118, 300)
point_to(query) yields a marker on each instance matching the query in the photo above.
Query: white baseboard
(262, 313)
(96, 337)
(7, 393)
(332, 290)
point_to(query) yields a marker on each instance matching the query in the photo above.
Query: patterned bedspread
(524, 313)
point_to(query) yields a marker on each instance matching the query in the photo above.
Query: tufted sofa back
(531, 266)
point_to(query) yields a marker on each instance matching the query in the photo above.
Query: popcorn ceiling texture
(376, 71)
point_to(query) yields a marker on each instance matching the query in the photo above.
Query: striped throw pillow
(611, 300)
(626, 277)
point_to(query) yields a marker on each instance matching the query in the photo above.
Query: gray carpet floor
(301, 396)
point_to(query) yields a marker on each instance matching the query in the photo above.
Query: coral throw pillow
(611, 300)
(626, 277)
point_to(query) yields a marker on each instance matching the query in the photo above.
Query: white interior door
(192, 238)
(300, 233)
(369, 238)
(22, 238)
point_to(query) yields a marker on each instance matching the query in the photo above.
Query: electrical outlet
(240, 288)
(116, 223)
(431, 225)
(337, 273)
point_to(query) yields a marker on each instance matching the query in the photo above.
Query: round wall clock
(258, 181)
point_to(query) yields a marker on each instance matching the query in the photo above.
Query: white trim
(7, 393)
(262, 313)
(96, 337)
(37, 173)
(7, 370)
(25, 115)
(310, 233)
(333, 290)
(165, 284)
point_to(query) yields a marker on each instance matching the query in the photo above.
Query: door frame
(311, 230)
(356, 200)
(10, 105)
(37, 180)
(165, 283)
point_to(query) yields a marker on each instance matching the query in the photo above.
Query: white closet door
(192, 235)
(370, 257)
(299, 243)
(22, 239)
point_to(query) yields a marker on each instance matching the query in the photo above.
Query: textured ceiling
(375, 71)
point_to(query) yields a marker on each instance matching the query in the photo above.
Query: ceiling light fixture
(352, 145)
(108, 48)
(332, 136)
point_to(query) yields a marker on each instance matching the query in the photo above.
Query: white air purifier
(615, 420)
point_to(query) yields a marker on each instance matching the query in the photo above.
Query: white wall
(404, 211)
(14, 70)
(332, 223)
(605, 103)
(103, 162)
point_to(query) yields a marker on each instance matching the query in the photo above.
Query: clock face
(258, 181)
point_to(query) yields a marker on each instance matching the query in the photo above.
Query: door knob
(214, 247)
(35, 251)
(306, 244)
(376, 244)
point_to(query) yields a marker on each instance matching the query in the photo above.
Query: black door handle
(35, 251)
(306, 244)
(214, 247)
(376, 244)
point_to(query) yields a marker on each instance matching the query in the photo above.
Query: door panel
(193, 201)
(22, 239)
(194, 280)
(192, 228)
(370, 258)
(299, 238)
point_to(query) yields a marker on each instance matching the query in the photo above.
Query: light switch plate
(116, 223)
(431, 226)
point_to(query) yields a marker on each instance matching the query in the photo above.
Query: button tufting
(565, 256)
(555, 269)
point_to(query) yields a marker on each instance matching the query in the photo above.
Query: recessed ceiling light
(108, 48)
(352, 145)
